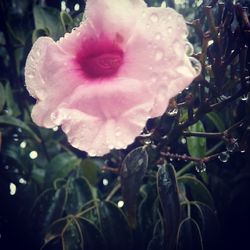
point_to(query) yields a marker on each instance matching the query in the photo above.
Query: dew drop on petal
(158, 36)
(154, 18)
(223, 157)
(31, 76)
(92, 152)
(158, 55)
(169, 29)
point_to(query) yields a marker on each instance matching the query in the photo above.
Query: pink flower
(104, 80)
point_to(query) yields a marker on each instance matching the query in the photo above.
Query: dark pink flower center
(101, 59)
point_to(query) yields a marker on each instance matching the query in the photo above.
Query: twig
(187, 167)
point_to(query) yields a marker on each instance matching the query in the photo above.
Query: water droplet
(118, 133)
(92, 153)
(147, 141)
(183, 140)
(31, 76)
(23, 144)
(244, 97)
(53, 116)
(105, 182)
(110, 146)
(158, 55)
(158, 36)
(22, 181)
(12, 189)
(169, 29)
(223, 156)
(120, 204)
(243, 151)
(172, 111)
(154, 18)
(201, 167)
(38, 53)
(231, 147)
(33, 154)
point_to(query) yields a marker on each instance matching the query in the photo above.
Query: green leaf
(147, 213)
(55, 229)
(197, 190)
(90, 170)
(72, 238)
(189, 235)
(59, 167)
(48, 18)
(9, 120)
(78, 192)
(67, 21)
(2, 97)
(114, 227)
(11, 104)
(156, 244)
(132, 172)
(216, 120)
(197, 146)
(208, 223)
(38, 33)
(93, 239)
(48, 208)
(168, 194)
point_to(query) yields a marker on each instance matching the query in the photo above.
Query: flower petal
(156, 54)
(110, 116)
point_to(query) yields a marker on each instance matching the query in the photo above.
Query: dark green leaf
(38, 33)
(9, 120)
(197, 146)
(156, 244)
(208, 223)
(55, 230)
(168, 194)
(60, 166)
(48, 18)
(79, 192)
(216, 120)
(196, 190)
(48, 208)
(11, 104)
(67, 21)
(189, 235)
(2, 96)
(114, 227)
(92, 237)
(72, 236)
(147, 213)
(90, 170)
(132, 172)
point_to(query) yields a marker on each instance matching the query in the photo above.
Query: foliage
(176, 191)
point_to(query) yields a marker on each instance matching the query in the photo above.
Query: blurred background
(54, 195)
